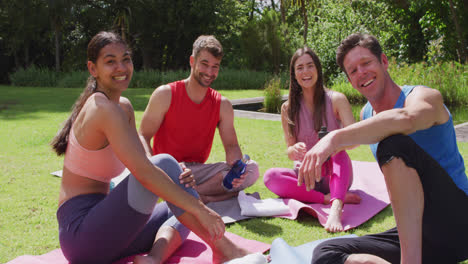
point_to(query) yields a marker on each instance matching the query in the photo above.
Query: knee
(168, 164)
(252, 175)
(395, 145)
(323, 255)
(270, 176)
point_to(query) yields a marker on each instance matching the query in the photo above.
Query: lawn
(30, 117)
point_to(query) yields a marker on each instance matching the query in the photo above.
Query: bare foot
(233, 253)
(146, 260)
(334, 219)
(334, 223)
(352, 198)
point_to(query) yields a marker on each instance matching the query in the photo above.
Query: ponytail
(60, 141)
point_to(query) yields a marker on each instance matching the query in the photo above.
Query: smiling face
(366, 72)
(205, 68)
(305, 72)
(113, 69)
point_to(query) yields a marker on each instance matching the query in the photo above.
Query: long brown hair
(60, 141)
(295, 93)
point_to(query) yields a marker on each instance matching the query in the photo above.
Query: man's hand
(186, 177)
(311, 167)
(237, 182)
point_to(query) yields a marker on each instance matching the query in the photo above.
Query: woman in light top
(99, 140)
(311, 106)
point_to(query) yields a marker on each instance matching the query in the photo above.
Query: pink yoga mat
(368, 182)
(193, 250)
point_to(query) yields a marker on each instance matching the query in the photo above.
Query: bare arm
(342, 109)
(423, 108)
(296, 150)
(343, 112)
(153, 116)
(123, 138)
(227, 132)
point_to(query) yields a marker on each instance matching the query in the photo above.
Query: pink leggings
(283, 182)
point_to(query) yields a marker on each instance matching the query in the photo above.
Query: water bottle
(322, 132)
(326, 167)
(236, 171)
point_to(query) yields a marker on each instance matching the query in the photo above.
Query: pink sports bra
(101, 165)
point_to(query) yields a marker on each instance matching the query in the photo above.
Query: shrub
(146, 79)
(34, 76)
(75, 79)
(272, 101)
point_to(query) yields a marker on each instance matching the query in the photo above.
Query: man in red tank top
(181, 118)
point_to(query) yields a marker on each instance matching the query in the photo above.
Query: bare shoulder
(338, 97)
(99, 109)
(285, 106)
(160, 99)
(125, 103)
(162, 92)
(226, 105)
(226, 112)
(428, 94)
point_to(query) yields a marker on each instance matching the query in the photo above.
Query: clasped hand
(186, 177)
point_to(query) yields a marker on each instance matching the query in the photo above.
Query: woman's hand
(297, 151)
(186, 177)
(211, 221)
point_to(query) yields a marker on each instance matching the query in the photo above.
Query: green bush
(450, 78)
(34, 76)
(272, 100)
(76, 79)
(146, 79)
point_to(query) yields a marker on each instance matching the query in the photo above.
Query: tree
(59, 12)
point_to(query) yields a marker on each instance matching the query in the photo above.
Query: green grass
(30, 117)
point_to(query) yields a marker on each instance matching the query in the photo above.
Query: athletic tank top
(101, 165)
(306, 131)
(438, 141)
(188, 129)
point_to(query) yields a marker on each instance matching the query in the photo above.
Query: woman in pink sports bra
(99, 140)
(311, 106)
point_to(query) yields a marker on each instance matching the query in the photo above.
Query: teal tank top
(438, 141)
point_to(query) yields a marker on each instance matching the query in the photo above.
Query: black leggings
(445, 217)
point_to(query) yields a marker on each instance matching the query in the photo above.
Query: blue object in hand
(236, 171)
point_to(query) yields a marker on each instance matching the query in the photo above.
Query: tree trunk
(306, 22)
(26, 55)
(252, 10)
(57, 45)
(283, 12)
(462, 52)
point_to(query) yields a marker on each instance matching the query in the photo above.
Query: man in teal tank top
(412, 136)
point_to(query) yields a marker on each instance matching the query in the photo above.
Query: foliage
(263, 44)
(272, 99)
(258, 35)
(333, 21)
(34, 76)
(450, 78)
(228, 79)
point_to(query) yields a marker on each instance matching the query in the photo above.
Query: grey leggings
(99, 228)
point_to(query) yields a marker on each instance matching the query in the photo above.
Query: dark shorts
(445, 217)
(100, 228)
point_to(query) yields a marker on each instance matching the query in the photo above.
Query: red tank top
(188, 129)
